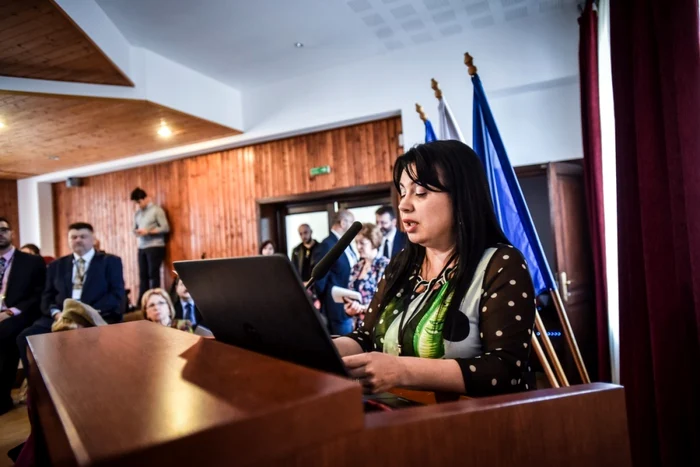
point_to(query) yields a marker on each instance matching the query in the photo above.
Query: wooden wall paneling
(210, 199)
(9, 207)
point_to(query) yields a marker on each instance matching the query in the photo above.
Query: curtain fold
(593, 177)
(656, 81)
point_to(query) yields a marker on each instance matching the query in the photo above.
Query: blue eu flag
(508, 200)
(429, 132)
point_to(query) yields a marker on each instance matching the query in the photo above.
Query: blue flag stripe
(509, 202)
(429, 132)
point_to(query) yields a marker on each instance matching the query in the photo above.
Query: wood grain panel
(9, 207)
(38, 40)
(210, 199)
(84, 130)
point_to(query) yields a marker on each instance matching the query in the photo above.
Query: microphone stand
(310, 283)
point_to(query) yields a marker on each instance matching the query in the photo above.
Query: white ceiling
(247, 44)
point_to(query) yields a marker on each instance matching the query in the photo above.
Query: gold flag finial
(469, 61)
(419, 109)
(436, 87)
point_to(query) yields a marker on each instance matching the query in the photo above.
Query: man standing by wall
(150, 226)
(302, 253)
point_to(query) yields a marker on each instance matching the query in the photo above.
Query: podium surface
(143, 394)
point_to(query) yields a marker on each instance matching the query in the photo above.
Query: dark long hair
(454, 168)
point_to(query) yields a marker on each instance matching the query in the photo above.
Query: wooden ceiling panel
(46, 133)
(38, 40)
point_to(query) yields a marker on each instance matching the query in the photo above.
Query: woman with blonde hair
(157, 306)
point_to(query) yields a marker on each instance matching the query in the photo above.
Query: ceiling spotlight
(164, 131)
(54, 158)
(298, 45)
(2, 124)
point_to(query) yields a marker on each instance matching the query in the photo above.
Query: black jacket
(103, 288)
(25, 283)
(177, 304)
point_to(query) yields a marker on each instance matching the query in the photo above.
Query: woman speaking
(455, 309)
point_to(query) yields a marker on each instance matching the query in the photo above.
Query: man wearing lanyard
(90, 276)
(21, 280)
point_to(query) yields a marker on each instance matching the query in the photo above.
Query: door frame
(271, 211)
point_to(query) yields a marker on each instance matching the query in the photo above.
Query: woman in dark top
(367, 272)
(455, 309)
(267, 248)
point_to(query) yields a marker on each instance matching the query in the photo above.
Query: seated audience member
(90, 277)
(267, 248)
(157, 307)
(368, 271)
(455, 310)
(394, 240)
(303, 252)
(30, 249)
(22, 278)
(184, 305)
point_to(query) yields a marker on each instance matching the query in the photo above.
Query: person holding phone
(368, 271)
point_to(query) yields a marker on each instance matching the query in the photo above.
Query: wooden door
(572, 259)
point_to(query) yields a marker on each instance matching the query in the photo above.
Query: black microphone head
(354, 229)
(321, 269)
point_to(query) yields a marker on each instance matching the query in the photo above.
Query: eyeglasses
(156, 304)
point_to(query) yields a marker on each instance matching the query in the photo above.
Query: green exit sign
(323, 170)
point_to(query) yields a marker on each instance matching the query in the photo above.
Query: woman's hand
(353, 308)
(378, 372)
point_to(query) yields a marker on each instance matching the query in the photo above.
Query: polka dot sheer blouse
(490, 336)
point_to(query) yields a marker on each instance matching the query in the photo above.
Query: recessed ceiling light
(54, 158)
(2, 124)
(298, 45)
(164, 131)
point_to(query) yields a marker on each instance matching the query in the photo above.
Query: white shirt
(88, 258)
(350, 251)
(388, 238)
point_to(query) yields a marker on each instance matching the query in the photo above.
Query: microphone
(321, 269)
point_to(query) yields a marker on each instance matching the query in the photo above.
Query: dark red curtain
(593, 176)
(656, 84)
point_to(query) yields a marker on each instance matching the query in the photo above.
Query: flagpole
(436, 87)
(559, 305)
(569, 334)
(550, 350)
(421, 112)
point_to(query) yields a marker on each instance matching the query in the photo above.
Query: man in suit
(86, 275)
(394, 240)
(22, 278)
(303, 252)
(184, 305)
(339, 322)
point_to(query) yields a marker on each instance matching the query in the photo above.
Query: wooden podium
(142, 394)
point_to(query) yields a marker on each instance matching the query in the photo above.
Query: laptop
(259, 303)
